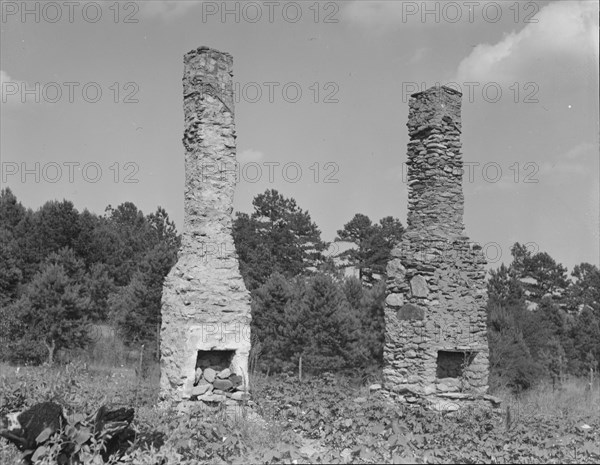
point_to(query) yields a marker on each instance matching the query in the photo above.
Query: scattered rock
(239, 395)
(210, 375)
(210, 397)
(187, 389)
(223, 384)
(236, 380)
(442, 406)
(201, 389)
(198, 375)
(224, 374)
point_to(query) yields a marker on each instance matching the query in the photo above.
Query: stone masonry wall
(205, 304)
(436, 294)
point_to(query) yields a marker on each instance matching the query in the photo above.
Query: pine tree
(277, 237)
(270, 324)
(53, 310)
(367, 306)
(326, 334)
(374, 244)
(10, 274)
(511, 363)
(135, 308)
(585, 289)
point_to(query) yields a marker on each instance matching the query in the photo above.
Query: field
(326, 419)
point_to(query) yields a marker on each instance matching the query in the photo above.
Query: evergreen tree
(373, 336)
(254, 252)
(135, 308)
(56, 225)
(269, 322)
(368, 305)
(550, 277)
(585, 334)
(30, 246)
(62, 269)
(11, 210)
(585, 289)
(504, 287)
(99, 287)
(277, 237)
(374, 241)
(128, 310)
(547, 329)
(52, 311)
(325, 333)
(511, 363)
(10, 274)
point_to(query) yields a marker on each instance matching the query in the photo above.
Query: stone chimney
(435, 311)
(205, 333)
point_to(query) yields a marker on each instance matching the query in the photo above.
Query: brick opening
(216, 359)
(451, 364)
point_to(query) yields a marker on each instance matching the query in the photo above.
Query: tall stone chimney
(205, 304)
(436, 341)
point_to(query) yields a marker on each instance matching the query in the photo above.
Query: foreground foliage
(329, 419)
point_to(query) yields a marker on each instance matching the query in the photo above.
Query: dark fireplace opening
(216, 359)
(451, 364)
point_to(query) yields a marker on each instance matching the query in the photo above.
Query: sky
(91, 108)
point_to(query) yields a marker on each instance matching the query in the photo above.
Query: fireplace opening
(218, 360)
(451, 364)
(214, 379)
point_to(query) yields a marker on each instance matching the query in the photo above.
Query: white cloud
(8, 84)
(579, 162)
(419, 54)
(250, 155)
(583, 150)
(4, 77)
(373, 13)
(566, 32)
(167, 8)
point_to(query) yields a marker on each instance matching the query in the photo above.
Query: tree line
(63, 270)
(541, 324)
(303, 307)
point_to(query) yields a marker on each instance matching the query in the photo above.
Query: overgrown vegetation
(78, 286)
(325, 419)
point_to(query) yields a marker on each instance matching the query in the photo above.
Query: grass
(574, 400)
(205, 436)
(82, 388)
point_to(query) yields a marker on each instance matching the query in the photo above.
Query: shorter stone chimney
(435, 310)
